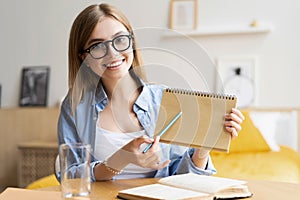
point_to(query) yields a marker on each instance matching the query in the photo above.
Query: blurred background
(35, 33)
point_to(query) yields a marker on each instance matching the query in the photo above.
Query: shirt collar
(101, 99)
(143, 99)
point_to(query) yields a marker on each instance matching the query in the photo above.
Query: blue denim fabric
(81, 127)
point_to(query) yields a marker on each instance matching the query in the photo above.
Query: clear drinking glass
(75, 169)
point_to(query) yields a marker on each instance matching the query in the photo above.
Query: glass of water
(75, 169)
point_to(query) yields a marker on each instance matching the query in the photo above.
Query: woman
(111, 108)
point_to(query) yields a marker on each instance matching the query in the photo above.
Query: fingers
(151, 158)
(235, 115)
(163, 165)
(154, 162)
(134, 145)
(139, 141)
(155, 145)
(144, 139)
(151, 155)
(232, 131)
(233, 122)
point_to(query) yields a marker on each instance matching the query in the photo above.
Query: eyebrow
(101, 40)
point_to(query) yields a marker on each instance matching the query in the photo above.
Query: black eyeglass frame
(89, 49)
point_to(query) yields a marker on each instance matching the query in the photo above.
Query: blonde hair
(83, 27)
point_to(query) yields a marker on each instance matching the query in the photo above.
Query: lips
(114, 64)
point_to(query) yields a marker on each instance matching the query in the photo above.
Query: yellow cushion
(44, 182)
(249, 139)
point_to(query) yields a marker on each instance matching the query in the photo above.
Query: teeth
(114, 64)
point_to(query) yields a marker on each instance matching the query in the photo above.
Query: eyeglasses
(100, 50)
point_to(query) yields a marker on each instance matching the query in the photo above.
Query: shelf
(211, 31)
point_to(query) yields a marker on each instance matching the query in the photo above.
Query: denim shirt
(81, 127)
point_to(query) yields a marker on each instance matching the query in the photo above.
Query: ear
(81, 57)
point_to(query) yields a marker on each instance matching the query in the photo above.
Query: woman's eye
(120, 40)
(98, 46)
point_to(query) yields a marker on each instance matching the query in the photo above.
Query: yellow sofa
(251, 157)
(276, 166)
(46, 181)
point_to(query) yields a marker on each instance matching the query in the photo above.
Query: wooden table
(262, 190)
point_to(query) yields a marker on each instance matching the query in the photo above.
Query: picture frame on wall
(34, 86)
(236, 76)
(183, 14)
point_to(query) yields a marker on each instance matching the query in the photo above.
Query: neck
(123, 88)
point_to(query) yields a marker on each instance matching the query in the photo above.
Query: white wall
(35, 32)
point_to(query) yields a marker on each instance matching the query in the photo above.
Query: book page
(159, 191)
(240, 191)
(203, 183)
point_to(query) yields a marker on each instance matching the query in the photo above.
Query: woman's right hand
(150, 159)
(131, 153)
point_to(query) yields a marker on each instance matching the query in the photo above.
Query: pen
(164, 130)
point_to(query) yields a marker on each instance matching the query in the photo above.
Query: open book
(189, 186)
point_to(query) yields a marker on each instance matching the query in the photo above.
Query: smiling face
(115, 64)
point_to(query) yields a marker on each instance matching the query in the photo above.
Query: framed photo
(236, 75)
(183, 14)
(34, 86)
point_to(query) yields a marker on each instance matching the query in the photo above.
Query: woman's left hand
(233, 122)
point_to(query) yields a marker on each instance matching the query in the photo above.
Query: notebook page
(202, 120)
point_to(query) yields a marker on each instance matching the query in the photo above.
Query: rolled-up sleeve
(92, 166)
(181, 162)
(186, 165)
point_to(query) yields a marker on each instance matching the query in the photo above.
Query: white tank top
(107, 143)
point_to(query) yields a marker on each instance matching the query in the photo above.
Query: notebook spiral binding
(200, 93)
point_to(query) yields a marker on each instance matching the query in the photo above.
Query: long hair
(81, 30)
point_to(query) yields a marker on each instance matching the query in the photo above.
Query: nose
(111, 51)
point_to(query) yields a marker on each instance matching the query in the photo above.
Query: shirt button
(104, 101)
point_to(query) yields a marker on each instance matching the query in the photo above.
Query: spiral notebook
(202, 120)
